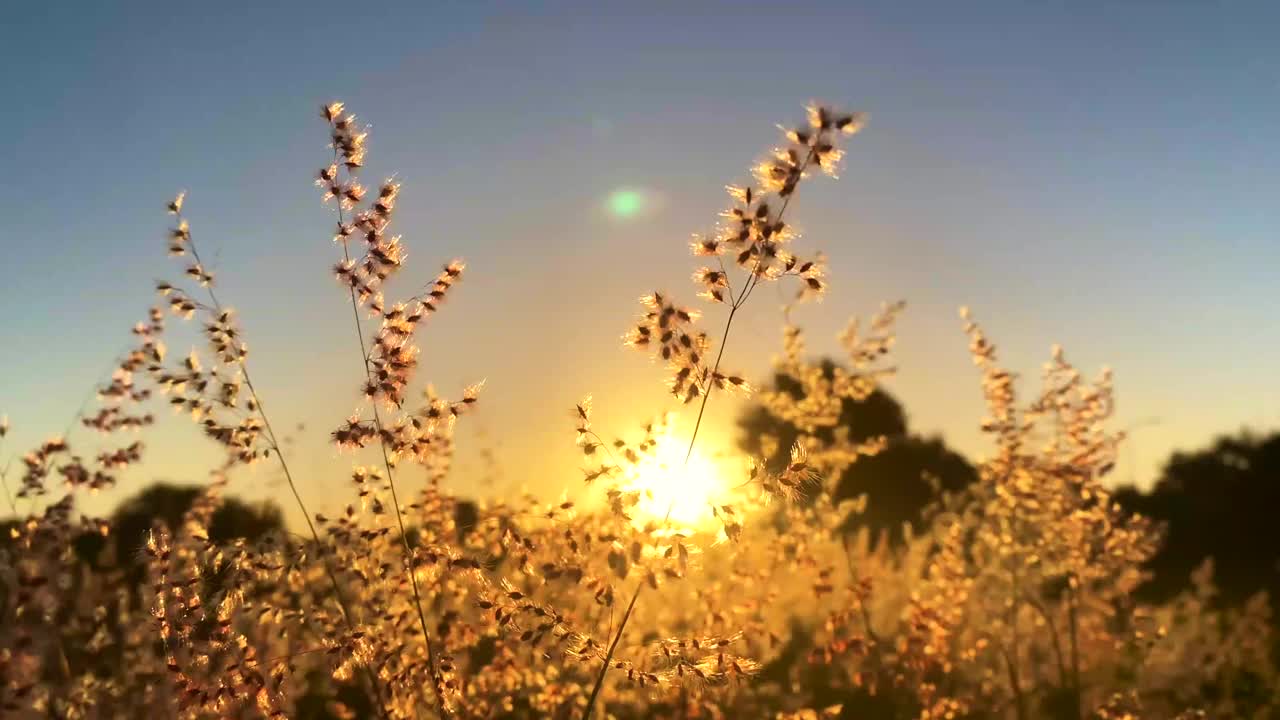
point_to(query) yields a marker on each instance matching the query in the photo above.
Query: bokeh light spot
(625, 203)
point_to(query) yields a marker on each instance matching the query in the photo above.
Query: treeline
(1215, 503)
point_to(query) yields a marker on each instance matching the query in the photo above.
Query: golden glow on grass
(667, 484)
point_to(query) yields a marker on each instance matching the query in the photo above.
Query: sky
(1100, 175)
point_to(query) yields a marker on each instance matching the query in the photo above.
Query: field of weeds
(660, 596)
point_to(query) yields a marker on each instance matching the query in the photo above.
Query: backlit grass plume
(402, 598)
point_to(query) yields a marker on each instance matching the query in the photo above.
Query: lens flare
(626, 203)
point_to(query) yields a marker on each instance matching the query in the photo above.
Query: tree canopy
(1218, 503)
(899, 482)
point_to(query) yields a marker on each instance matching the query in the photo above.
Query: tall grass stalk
(278, 453)
(736, 303)
(391, 482)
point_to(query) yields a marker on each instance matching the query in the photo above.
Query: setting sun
(668, 484)
(344, 460)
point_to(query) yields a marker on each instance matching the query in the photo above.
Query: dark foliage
(899, 482)
(1218, 502)
(166, 503)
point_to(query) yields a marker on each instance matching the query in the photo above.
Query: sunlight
(667, 483)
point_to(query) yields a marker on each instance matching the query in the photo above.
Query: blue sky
(1102, 175)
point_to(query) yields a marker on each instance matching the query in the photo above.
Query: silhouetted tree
(879, 414)
(166, 503)
(1218, 502)
(904, 478)
(899, 482)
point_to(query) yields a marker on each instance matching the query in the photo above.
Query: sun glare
(668, 485)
